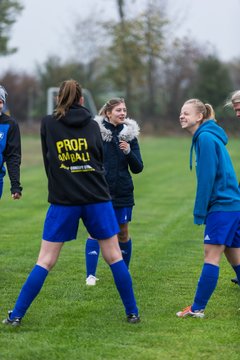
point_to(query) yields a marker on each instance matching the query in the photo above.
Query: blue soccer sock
(29, 291)
(126, 249)
(237, 271)
(123, 282)
(1, 187)
(92, 250)
(206, 285)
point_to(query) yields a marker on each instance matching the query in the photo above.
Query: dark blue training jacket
(10, 151)
(117, 164)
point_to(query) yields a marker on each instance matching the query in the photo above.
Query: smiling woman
(217, 201)
(191, 117)
(235, 102)
(121, 158)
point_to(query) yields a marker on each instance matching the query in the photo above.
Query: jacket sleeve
(134, 157)
(13, 155)
(207, 162)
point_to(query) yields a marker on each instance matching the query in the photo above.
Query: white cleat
(91, 280)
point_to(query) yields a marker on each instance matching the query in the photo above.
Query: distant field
(70, 321)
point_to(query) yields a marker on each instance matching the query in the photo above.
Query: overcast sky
(41, 29)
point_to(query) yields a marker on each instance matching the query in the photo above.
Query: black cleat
(235, 280)
(14, 322)
(133, 318)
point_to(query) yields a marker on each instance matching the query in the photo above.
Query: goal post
(52, 95)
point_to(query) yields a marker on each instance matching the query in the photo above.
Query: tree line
(136, 58)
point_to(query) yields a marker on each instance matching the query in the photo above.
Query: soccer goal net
(52, 96)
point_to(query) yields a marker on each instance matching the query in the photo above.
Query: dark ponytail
(69, 93)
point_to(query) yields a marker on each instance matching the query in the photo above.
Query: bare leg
(233, 257)
(213, 253)
(125, 243)
(123, 235)
(48, 256)
(110, 250)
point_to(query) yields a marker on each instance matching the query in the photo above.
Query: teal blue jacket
(217, 184)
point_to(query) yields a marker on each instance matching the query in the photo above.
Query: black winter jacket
(73, 157)
(116, 163)
(10, 151)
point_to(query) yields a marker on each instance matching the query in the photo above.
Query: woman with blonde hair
(217, 202)
(121, 158)
(234, 102)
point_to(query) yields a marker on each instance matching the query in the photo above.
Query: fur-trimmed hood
(130, 129)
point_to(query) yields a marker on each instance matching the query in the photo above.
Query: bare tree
(180, 71)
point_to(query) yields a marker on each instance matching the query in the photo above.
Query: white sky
(41, 29)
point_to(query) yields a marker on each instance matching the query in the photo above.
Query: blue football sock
(206, 285)
(92, 250)
(1, 187)
(123, 282)
(237, 271)
(29, 291)
(126, 249)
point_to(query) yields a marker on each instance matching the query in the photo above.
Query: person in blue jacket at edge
(234, 102)
(10, 149)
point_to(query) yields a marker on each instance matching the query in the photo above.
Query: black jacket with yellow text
(72, 151)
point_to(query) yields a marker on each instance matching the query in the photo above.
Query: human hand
(16, 196)
(125, 147)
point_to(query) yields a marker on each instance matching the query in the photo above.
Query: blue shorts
(223, 228)
(123, 214)
(61, 223)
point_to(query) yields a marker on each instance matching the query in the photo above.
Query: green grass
(70, 321)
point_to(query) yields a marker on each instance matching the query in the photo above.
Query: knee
(46, 263)
(123, 235)
(112, 255)
(212, 259)
(112, 258)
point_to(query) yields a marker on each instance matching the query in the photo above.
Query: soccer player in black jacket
(73, 157)
(10, 149)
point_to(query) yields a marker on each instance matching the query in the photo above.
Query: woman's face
(236, 108)
(189, 118)
(118, 114)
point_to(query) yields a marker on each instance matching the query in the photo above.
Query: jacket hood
(77, 116)
(130, 129)
(211, 127)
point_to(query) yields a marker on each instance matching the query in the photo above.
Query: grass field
(70, 321)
